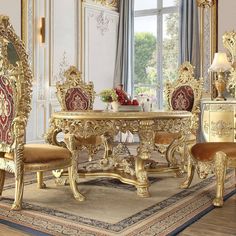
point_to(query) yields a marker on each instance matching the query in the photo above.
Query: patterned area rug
(112, 208)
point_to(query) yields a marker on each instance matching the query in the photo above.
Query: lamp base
(220, 87)
(220, 99)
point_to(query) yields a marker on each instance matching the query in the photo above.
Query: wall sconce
(42, 29)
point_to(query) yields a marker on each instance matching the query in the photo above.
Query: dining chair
(76, 95)
(184, 93)
(16, 156)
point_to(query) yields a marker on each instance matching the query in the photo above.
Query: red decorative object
(6, 110)
(122, 96)
(135, 102)
(183, 98)
(76, 100)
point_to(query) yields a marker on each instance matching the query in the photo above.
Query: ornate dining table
(107, 124)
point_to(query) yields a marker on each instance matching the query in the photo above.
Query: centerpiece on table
(124, 103)
(108, 96)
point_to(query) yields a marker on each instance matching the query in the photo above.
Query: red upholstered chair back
(15, 87)
(185, 92)
(74, 94)
(7, 110)
(183, 98)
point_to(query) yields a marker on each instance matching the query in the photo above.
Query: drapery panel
(124, 45)
(189, 34)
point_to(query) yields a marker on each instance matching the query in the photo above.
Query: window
(156, 46)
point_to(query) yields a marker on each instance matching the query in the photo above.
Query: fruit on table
(135, 102)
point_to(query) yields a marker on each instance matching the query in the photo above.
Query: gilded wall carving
(108, 3)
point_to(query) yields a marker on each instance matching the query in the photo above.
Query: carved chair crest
(185, 92)
(15, 87)
(74, 94)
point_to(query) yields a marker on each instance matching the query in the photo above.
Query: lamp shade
(220, 63)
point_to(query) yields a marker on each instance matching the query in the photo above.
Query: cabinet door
(218, 122)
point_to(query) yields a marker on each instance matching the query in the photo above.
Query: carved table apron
(107, 124)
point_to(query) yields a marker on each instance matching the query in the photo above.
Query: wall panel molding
(100, 30)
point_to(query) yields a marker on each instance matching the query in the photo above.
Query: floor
(219, 222)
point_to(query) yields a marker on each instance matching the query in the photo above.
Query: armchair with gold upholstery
(181, 94)
(15, 104)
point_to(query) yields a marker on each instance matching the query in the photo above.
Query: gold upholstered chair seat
(41, 153)
(206, 151)
(166, 138)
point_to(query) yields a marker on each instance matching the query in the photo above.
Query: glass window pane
(145, 55)
(170, 3)
(144, 4)
(170, 46)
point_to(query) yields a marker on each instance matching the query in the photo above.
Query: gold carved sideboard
(218, 121)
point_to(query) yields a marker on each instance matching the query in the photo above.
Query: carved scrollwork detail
(51, 134)
(146, 136)
(108, 3)
(205, 168)
(206, 127)
(229, 42)
(19, 124)
(221, 107)
(173, 125)
(142, 176)
(205, 3)
(221, 128)
(7, 165)
(103, 22)
(231, 82)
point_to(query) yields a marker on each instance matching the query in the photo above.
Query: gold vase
(220, 86)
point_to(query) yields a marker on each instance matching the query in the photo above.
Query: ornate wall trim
(208, 30)
(112, 4)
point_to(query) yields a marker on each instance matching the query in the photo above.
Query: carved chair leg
(19, 188)
(73, 184)
(40, 182)
(220, 172)
(190, 174)
(2, 180)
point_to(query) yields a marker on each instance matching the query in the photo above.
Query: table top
(110, 115)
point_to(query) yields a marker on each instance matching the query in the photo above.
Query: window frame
(160, 11)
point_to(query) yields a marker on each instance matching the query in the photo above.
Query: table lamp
(220, 65)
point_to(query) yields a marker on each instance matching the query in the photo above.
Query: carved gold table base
(129, 170)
